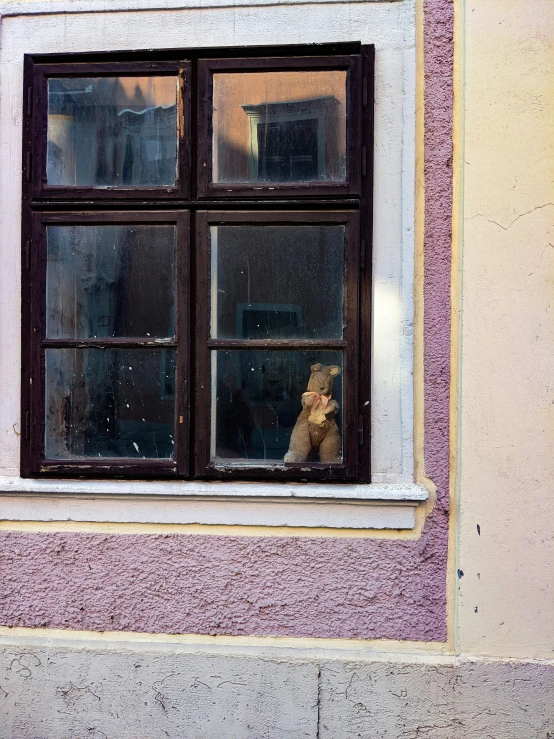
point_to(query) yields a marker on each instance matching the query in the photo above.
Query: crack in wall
(505, 228)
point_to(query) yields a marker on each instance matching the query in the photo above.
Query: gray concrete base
(149, 692)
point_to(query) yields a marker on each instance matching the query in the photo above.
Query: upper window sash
(248, 111)
(108, 131)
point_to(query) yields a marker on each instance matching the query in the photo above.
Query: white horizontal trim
(377, 492)
(43, 7)
(237, 504)
(231, 512)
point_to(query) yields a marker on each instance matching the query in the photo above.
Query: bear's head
(321, 379)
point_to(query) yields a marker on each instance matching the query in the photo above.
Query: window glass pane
(257, 399)
(112, 131)
(277, 282)
(105, 281)
(109, 403)
(279, 126)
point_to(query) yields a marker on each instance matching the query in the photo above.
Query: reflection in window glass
(277, 282)
(112, 131)
(109, 403)
(109, 280)
(257, 398)
(279, 127)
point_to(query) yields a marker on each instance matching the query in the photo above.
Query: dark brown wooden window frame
(192, 205)
(206, 69)
(39, 102)
(204, 467)
(39, 463)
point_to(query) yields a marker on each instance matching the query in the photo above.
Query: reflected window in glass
(267, 281)
(279, 127)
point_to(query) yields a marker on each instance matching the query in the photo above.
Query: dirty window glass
(109, 403)
(279, 127)
(195, 227)
(110, 281)
(112, 131)
(267, 281)
(258, 396)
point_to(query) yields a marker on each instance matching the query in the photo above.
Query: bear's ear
(317, 367)
(334, 370)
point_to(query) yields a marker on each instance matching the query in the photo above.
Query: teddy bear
(316, 427)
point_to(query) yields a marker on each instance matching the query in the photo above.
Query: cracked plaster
(56, 692)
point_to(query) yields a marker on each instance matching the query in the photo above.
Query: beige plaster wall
(506, 445)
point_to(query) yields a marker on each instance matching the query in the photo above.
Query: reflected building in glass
(112, 131)
(279, 127)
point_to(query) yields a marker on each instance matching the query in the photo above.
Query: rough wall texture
(221, 585)
(466, 700)
(439, 51)
(57, 693)
(290, 587)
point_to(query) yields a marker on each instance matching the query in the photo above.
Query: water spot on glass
(136, 447)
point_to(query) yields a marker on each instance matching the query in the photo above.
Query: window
(196, 232)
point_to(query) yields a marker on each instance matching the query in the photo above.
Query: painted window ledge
(374, 506)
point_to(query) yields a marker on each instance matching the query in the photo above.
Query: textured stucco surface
(220, 585)
(61, 693)
(64, 694)
(438, 51)
(465, 700)
(294, 587)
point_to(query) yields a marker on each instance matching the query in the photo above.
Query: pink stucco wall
(342, 588)
(224, 585)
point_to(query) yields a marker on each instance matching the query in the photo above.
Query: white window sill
(374, 506)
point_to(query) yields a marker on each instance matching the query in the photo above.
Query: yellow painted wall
(506, 443)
